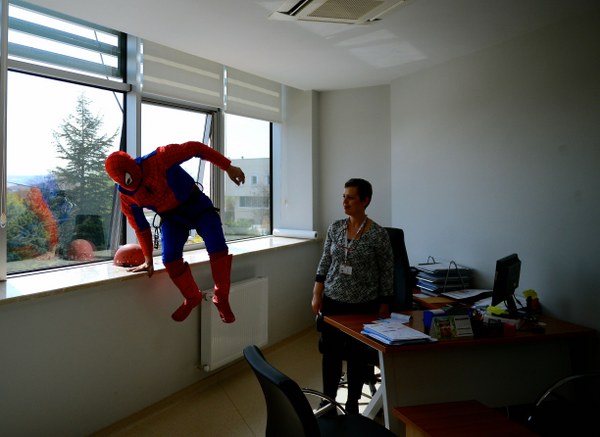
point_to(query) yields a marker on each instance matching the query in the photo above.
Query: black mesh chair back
(403, 281)
(289, 413)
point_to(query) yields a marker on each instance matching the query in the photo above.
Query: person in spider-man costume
(157, 182)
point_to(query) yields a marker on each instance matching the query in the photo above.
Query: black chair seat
(351, 425)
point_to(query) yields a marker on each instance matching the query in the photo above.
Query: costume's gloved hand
(148, 266)
(236, 174)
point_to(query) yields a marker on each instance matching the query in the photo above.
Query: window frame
(51, 73)
(216, 134)
(69, 39)
(210, 135)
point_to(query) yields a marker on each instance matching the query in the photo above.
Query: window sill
(42, 284)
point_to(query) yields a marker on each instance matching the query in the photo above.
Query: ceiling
(324, 56)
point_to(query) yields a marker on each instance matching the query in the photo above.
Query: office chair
(290, 414)
(404, 282)
(570, 407)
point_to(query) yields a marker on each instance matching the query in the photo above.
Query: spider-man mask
(123, 169)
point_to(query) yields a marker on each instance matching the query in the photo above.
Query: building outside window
(247, 208)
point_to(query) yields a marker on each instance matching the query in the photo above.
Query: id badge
(345, 270)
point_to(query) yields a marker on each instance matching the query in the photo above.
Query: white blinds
(252, 96)
(172, 73)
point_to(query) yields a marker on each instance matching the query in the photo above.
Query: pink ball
(81, 250)
(129, 255)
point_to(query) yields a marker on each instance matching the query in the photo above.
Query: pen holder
(427, 318)
(487, 329)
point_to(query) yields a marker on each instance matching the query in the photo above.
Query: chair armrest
(323, 408)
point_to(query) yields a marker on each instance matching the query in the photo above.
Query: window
(162, 125)
(58, 197)
(247, 209)
(67, 104)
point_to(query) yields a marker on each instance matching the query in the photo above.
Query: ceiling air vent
(335, 11)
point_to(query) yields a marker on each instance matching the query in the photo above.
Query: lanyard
(348, 244)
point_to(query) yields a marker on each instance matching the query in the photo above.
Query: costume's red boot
(186, 284)
(221, 272)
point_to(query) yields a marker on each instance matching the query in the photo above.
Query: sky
(31, 119)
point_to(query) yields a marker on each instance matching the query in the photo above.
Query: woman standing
(355, 275)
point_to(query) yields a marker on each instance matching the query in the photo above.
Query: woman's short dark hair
(363, 187)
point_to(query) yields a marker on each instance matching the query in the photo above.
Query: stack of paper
(468, 293)
(393, 332)
(438, 269)
(434, 278)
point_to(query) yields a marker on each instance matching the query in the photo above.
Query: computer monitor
(506, 280)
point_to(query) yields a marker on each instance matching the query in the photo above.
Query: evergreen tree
(81, 144)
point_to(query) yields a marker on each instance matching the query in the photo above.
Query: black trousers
(336, 346)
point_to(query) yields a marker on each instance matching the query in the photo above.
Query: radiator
(221, 343)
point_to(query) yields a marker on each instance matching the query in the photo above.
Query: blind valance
(173, 73)
(252, 96)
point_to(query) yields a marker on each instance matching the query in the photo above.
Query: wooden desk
(497, 371)
(432, 302)
(458, 419)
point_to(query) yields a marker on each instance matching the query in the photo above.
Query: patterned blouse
(370, 258)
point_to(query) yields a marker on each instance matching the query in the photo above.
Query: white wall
(293, 162)
(354, 142)
(74, 363)
(499, 152)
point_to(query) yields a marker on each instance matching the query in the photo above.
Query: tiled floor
(234, 407)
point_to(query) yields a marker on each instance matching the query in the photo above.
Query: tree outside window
(59, 198)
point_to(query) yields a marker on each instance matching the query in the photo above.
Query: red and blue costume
(157, 182)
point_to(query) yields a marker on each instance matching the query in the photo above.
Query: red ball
(129, 255)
